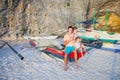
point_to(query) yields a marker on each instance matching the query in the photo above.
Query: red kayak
(58, 53)
(61, 53)
(32, 43)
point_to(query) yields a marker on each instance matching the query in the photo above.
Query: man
(68, 36)
(68, 42)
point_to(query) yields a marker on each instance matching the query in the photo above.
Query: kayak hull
(60, 54)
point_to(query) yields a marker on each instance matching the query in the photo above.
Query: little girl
(79, 45)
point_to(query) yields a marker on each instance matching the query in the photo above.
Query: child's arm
(83, 47)
(81, 51)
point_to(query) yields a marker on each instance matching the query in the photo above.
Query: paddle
(19, 55)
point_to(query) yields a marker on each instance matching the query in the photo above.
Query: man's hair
(70, 27)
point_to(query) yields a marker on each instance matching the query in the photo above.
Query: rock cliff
(45, 17)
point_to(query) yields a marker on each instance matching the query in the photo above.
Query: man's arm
(66, 41)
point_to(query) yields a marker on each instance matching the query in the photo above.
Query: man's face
(70, 30)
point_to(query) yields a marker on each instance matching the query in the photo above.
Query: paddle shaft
(19, 55)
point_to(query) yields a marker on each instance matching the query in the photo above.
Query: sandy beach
(97, 64)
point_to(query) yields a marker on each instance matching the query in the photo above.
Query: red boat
(60, 53)
(32, 43)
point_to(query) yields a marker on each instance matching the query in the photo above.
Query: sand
(96, 65)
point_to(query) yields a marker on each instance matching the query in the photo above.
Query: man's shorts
(69, 49)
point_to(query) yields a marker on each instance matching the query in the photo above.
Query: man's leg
(65, 61)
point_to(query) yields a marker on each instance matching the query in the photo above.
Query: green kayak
(101, 39)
